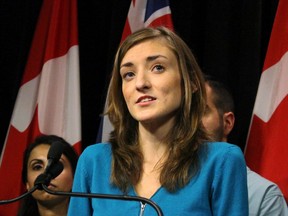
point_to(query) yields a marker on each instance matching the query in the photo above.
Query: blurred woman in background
(41, 203)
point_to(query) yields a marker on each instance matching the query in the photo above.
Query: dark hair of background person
(222, 97)
(29, 204)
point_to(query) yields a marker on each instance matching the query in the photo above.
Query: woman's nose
(142, 81)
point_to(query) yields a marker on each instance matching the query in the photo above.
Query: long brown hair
(187, 134)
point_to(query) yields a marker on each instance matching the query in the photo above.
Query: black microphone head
(56, 170)
(55, 151)
(45, 178)
(54, 154)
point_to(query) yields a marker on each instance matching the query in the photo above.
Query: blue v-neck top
(219, 187)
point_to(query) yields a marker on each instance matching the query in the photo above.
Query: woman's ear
(228, 123)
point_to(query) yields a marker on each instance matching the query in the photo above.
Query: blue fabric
(219, 188)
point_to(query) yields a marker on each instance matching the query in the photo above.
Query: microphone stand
(106, 196)
(19, 197)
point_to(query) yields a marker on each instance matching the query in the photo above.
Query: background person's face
(36, 165)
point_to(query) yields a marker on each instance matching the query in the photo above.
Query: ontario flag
(48, 101)
(141, 14)
(267, 143)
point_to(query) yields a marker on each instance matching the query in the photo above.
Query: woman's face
(36, 165)
(151, 82)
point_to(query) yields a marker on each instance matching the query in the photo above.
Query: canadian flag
(48, 100)
(267, 143)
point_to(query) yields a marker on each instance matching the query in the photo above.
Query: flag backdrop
(48, 101)
(142, 13)
(267, 144)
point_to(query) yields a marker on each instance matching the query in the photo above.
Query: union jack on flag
(147, 13)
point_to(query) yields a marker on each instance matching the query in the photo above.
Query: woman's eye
(128, 75)
(158, 68)
(37, 167)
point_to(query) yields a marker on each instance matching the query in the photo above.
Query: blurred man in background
(265, 197)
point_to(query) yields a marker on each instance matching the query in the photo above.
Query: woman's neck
(59, 209)
(153, 149)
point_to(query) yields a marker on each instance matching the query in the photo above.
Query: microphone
(54, 154)
(53, 169)
(46, 177)
(42, 179)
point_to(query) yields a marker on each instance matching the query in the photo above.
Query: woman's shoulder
(221, 146)
(98, 150)
(221, 149)
(222, 158)
(95, 157)
(98, 147)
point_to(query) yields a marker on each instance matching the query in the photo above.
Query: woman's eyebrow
(127, 64)
(35, 160)
(152, 58)
(148, 59)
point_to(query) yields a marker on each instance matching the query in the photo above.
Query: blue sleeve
(230, 194)
(78, 205)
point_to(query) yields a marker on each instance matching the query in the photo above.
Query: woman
(41, 203)
(159, 149)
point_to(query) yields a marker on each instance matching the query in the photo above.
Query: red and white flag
(267, 144)
(48, 100)
(141, 14)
